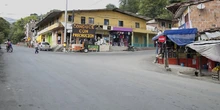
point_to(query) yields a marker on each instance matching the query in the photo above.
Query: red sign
(162, 39)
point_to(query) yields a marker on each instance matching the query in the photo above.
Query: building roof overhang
(56, 13)
(178, 8)
(49, 16)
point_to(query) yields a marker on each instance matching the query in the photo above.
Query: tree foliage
(154, 8)
(110, 6)
(149, 8)
(17, 32)
(4, 29)
(129, 5)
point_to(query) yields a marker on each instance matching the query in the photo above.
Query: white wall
(54, 35)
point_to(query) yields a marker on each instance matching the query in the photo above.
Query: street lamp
(65, 27)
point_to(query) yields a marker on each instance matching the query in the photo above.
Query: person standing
(36, 45)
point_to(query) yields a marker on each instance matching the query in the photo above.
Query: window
(137, 25)
(106, 21)
(91, 20)
(120, 23)
(83, 20)
(163, 24)
(170, 26)
(70, 18)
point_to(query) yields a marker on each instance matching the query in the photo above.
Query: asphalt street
(97, 81)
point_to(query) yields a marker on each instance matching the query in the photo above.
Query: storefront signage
(162, 39)
(93, 47)
(83, 31)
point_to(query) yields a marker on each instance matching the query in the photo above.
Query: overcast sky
(21, 8)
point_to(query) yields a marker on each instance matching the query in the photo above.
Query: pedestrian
(36, 45)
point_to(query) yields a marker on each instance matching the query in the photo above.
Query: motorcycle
(131, 48)
(9, 49)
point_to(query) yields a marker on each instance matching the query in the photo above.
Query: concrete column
(132, 39)
(62, 37)
(54, 38)
(148, 40)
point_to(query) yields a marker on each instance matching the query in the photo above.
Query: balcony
(50, 28)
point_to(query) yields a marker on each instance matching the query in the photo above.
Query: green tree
(4, 29)
(2, 37)
(110, 6)
(129, 5)
(154, 9)
(17, 29)
(149, 8)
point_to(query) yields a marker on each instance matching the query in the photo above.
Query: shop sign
(93, 47)
(162, 39)
(83, 31)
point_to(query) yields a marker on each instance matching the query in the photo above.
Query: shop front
(209, 50)
(121, 37)
(102, 38)
(83, 33)
(174, 47)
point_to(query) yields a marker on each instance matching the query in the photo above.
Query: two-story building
(203, 15)
(29, 32)
(116, 27)
(159, 24)
(200, 14)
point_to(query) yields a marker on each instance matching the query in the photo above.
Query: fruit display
(216, 69)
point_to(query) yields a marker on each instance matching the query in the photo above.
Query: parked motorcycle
(131, 48)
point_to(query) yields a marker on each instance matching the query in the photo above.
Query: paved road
(97, 81)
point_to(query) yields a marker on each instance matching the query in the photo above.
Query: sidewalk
(188, 72)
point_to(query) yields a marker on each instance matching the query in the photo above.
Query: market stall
(174, 47)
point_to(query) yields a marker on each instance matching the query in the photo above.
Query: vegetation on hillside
(149, 8)
(17, 32)
(4, 29)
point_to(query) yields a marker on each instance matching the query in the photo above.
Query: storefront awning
(182, 37)
(181, 31)
(208, 49)
(122, 29)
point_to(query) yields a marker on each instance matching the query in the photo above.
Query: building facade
(29, 32)
(203, 15)
(159, 24)
(200, 14)
(115, 27)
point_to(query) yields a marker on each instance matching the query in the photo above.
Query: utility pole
(166, 57)
(71, 35)
(65, 28)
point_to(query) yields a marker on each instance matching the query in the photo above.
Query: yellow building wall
(140, 40)
(62, 17)
(151, 42)
(99, 16)
(114, 17)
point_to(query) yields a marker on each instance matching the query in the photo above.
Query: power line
(95, 3)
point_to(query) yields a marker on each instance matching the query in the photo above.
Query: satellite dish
(201, 6)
